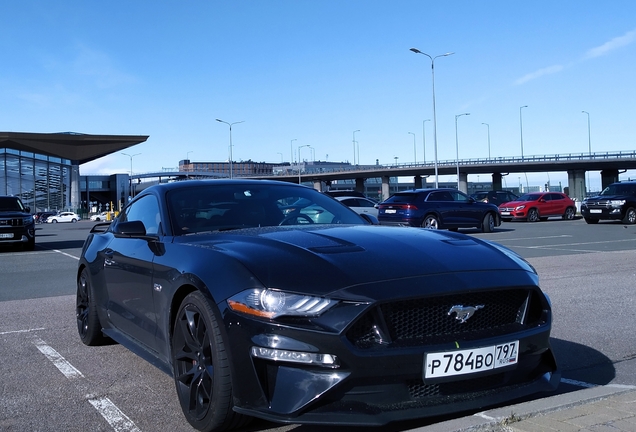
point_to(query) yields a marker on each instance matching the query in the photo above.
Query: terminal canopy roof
(79, 148)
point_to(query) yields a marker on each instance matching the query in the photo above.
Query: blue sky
(315, 71)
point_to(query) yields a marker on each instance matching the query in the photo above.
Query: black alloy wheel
(201, 367)
(533, 215)
(88, 326)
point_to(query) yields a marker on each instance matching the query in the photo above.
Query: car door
(446, 206)
(558, 204)
(128, 273)
(362, 206)
(469, 212)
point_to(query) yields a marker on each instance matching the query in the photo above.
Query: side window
(458, 197)
(365, 203)
(350, 202)
(146, 210)
(555, 197)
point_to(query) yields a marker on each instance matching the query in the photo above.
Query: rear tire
(569, 213)
(430, 222)
(201, 367)
(630, 216)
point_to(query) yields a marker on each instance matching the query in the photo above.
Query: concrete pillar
(386, 190)
(318, 185)
(417, 181)
(496, 181)
(463, 182)
(360, 185)
(608, 176)
(76, 192)
(576, 185)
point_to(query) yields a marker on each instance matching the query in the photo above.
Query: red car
(538, 206)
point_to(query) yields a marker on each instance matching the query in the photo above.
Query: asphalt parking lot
(51, 381)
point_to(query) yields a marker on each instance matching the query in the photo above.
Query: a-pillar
(608, 176)
(386, 187)
(360, 185)
(576, 185)
(417, 182)
(463, 182)
(496, 181)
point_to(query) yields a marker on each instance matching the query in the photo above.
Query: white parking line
(21, 331)
(65, 254)
(113, 415)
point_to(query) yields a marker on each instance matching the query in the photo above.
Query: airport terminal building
(43, 169)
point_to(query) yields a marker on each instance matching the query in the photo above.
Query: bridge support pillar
(360, 184)
(496, 181)
(318, 185)
(576, 185)
(417, 182)
(463, 182)
(386, 187)
(608, 176)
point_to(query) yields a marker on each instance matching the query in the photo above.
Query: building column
(360, 185)
(318, 185)
(576, 185)
(463, 182)
(608, 176)
(417, 182)
(386, 187)
(76, 192)
(496, 181)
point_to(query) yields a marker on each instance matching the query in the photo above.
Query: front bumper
(14, 236)
(602, 213)
(373, 386)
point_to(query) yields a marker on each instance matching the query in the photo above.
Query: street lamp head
(525, 106)
(447, 54)
(415, 50)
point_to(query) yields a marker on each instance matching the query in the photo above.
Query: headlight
(28, 220)
(268, 303)
(521, 207)
(616, 203)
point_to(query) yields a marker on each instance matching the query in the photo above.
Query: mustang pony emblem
(462, 313)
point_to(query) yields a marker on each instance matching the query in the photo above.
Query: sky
(316, 71)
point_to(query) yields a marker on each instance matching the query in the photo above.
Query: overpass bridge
(610, 164)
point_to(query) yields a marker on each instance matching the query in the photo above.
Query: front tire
(88, 325)
(533, 215)
(201, 367)
(488, 224)
(430, 222)
(630, 216)
(569, 213)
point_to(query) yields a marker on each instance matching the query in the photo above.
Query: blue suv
(438, 208)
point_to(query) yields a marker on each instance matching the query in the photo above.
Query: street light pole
(414, 151)
(299, 159)
(589, 147)
(424, 139)
(354, 146)
(488, 139)
(521, 128)
(416, 51)
(132, 194)
(457, 145)
(230, 125)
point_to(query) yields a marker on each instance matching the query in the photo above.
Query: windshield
(528, 197)
(10, 204)
(619, 189)
(225, 207)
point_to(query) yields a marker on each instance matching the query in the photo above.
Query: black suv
(17, 226)
(438, 208)
(494, 197)
(616, 202)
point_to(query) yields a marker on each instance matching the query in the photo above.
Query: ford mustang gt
(272, 300)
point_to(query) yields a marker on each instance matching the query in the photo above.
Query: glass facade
(42, 182)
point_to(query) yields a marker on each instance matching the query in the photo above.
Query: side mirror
(132, 228)
(27, 209)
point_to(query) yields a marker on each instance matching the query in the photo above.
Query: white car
(360, 205)
(63, 217)
(100, 217)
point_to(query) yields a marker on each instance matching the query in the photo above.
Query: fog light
(324, 360)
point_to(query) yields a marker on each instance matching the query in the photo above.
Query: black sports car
(272, 300)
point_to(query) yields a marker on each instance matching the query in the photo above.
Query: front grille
(11, 222)
(426, 321)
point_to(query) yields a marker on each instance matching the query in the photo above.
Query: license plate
(390, 211)
(505, 213)
(8, 235)
(462, 362)
(596, 211)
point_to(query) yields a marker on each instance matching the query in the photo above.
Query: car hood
(607, 197)
(13, 214)
(326, 259)
(516, 203)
